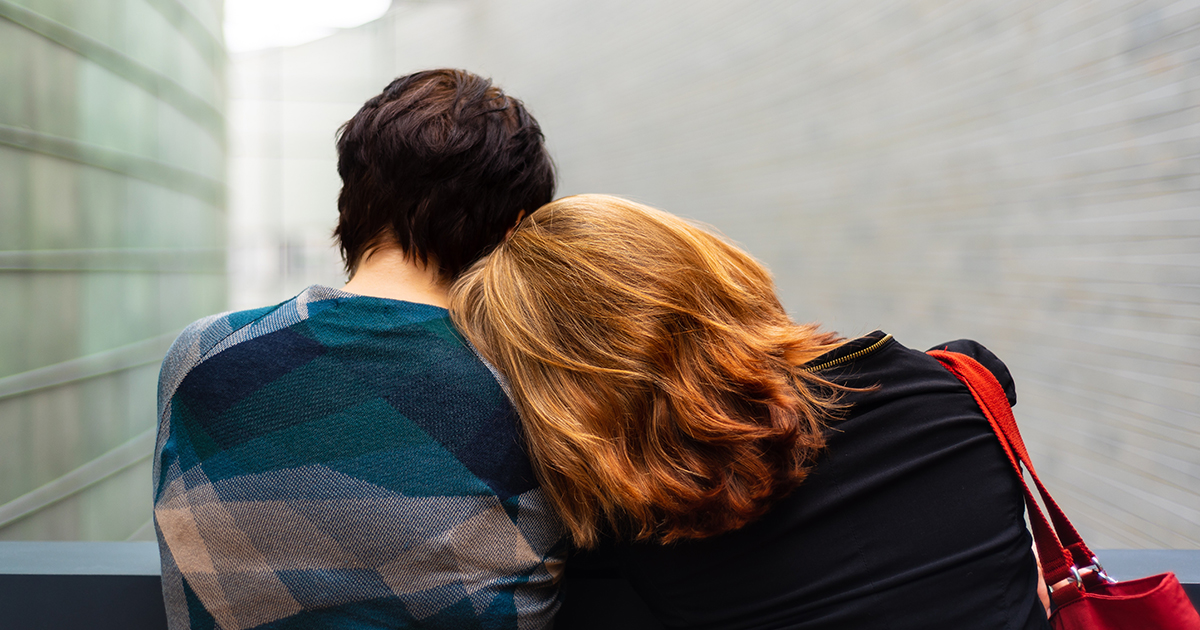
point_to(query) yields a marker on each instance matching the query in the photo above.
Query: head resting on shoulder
(654, 368)
(440, 164)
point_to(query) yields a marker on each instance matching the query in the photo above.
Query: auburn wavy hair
(655, 371)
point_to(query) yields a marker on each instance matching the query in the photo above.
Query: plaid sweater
(345, 461)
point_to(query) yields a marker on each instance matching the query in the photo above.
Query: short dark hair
(441, 163)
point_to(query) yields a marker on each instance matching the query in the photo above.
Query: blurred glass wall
(112, 233)
(1022, 172)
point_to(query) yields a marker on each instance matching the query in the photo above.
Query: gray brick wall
(1024, 173)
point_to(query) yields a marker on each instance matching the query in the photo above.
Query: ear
(509, 233)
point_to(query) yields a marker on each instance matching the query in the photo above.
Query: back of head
(441, 164)
(654, 368)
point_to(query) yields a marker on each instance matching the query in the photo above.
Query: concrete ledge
(116, 586)
(1127, 564)
(79, 558)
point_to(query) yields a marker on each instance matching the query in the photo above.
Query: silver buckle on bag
(1076, 578)
(1097, 569)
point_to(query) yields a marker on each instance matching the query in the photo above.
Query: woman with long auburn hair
(742, 470)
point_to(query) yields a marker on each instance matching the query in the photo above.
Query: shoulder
(209, 336)
(877, 358)
(202, 335)
(987, 359)
(196, 342)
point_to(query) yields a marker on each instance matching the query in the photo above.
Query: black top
(912, 518)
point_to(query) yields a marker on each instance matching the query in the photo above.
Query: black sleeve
(601, 562)
(976, 351)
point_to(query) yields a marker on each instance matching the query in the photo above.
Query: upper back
(911, 518)
(345, 459)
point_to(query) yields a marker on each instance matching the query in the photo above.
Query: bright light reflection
(256, 24)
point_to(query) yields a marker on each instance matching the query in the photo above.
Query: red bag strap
(1058, 562)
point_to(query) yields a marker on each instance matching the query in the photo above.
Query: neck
(388, 273)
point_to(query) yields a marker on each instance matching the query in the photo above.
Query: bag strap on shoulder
(1060, 546)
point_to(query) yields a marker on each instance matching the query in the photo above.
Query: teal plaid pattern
(341, 461)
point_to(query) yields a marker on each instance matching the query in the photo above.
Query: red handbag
(1089, 599)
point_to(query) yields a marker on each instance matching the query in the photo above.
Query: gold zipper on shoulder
(849, 357)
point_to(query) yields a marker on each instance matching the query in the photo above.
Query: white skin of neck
(388, 273)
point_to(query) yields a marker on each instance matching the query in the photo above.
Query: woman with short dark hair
(344, 459)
